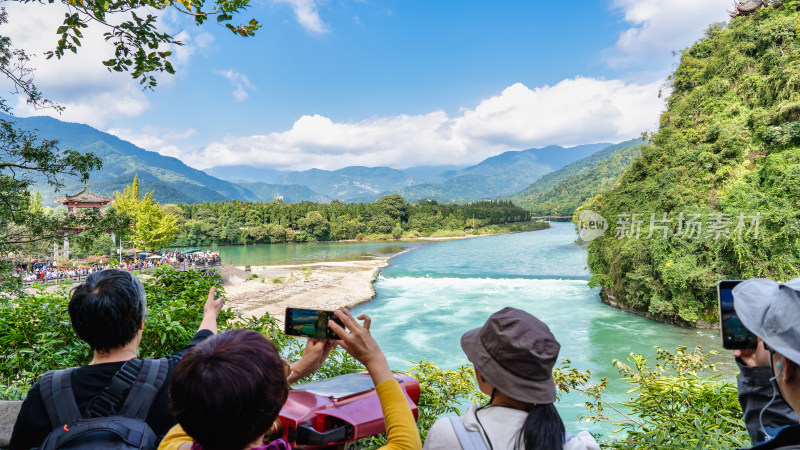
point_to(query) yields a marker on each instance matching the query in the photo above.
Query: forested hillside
(561, 192)
(349, 182)
(291, 193)
(170, 179)
(499, 175)
(721, 178)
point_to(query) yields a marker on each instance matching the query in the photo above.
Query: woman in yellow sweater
(227, 391)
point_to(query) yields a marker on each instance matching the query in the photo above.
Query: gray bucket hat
(771, 311)
(515, 352)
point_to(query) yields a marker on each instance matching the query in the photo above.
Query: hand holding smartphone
(309, 323)
(734, 334)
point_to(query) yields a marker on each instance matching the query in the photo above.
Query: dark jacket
(755, 391)
(787, 438)
(33, 424)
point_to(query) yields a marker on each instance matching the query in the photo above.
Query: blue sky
(332, 83)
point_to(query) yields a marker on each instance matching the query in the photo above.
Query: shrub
(675, 405)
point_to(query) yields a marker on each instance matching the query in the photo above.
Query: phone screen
(309, 323)
(734, 334)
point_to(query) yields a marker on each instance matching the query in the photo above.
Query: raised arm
(401, 430)
(211, 311)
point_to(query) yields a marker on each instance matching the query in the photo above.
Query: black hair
(543, 429)
(228, 390)
(107, 309)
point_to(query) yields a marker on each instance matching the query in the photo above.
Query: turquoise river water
(260, 254)
(432, 293)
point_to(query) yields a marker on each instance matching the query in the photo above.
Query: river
(433, 292)
(427, 298)
(310, 252)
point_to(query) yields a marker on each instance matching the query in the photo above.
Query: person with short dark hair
(771, 311)
(228, 390)
(108, 312)
(233, 382)
(513, 354)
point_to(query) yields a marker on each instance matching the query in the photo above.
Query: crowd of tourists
(224, 391)
(205, 257)
(49, 270)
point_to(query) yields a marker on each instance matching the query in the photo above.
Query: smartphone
(734, 334)
(309, 323)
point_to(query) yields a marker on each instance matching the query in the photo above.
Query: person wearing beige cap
(513, 354)
(771, 311)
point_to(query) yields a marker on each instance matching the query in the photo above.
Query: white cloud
(80, 82)
(239, 82)
(658, 27)
(305, 11)
(574, 111)
(156, 139)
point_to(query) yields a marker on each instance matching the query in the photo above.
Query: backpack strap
(106, 402)
(143, 392)
(59, 400)
(469, 439)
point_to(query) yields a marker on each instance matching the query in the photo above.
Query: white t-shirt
(500, 425)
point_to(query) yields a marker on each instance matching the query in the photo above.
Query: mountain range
(562, 191)
(173, 181)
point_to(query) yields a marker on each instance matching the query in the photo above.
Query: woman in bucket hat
(513, 354)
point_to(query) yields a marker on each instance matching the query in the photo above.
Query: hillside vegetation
(561, 192)
(500, 175)
(291, 193)
(726, 157)
(171, 179)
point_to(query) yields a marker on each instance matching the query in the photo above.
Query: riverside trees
(239, 222)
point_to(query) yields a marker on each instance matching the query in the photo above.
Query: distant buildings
(746, 7)
(77, 205)
(84, 200)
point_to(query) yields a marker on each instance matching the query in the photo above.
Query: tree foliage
(25, 226)
(153, 227)
(239, 222)
(727, 145)
(132, 30)
(676, 404)
(141, 48)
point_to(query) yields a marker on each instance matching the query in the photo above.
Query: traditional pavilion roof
(84, 196)
(745, 7)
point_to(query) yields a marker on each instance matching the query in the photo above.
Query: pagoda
(84, 200)
(77, 204)
(746, 7)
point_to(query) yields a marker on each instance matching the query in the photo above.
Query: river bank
(271, 288)
(608, 297)
(326, 285)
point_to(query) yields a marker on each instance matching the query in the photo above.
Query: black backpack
(102, 426)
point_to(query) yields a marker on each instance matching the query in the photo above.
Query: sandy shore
(326, 285)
